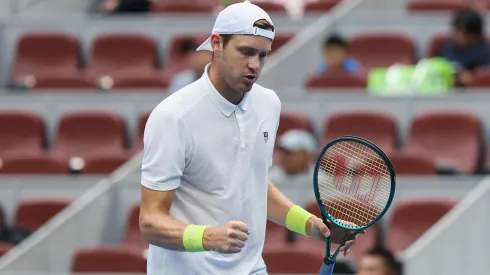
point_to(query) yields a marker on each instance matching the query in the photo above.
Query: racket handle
(327, 269)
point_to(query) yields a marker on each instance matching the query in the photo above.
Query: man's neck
(224, 89)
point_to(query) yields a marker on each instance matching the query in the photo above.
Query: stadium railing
(459, 243)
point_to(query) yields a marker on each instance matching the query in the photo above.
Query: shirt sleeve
(166, 143)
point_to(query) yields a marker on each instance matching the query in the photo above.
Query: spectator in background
(467, 48)
(124, 6)
(296, 151)
(336, 57)
(193, 62)
(377, 261)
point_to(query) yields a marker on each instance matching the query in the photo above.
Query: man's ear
(216, 42)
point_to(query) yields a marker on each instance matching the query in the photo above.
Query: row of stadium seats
(209, 6)
(30, 215)
(437, 5)
(444, 141)
(129, 60)
(116, 60)
(408, 221)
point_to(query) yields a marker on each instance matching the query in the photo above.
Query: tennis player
(205, 195)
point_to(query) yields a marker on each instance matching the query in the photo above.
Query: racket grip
(327, 269)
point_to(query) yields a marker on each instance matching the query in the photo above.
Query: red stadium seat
(63, 82)
(115, 259)
(481, 78)
(279, 40)
(436, 5)
(452, 139)
(182, 7)
(321, 5)
(290, 120)
(32, 164)
(436, 43)
(4, 248)
(336, 80)
(133, 235)
(412, 219)
(20, 132)
(271, 7)
(412, 164)
(86, 133)
(34, 213)
(174, 55)
(45, 53)
(382, 49)
(376, 127)
(141, 130)
(122, 53)
(104, 164)
(291, 259)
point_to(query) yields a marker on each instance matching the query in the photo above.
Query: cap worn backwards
(239, 18)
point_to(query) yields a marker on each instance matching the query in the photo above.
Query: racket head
(374, 205)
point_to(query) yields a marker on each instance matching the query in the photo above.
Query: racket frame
(326, 216)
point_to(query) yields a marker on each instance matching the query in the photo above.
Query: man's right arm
(156, 225)
(166, 143)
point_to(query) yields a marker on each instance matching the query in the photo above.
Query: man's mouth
(250, 77)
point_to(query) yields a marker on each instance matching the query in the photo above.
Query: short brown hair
(261, 24)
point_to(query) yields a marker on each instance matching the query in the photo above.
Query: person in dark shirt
(377, 261)
(125, 6)
(467, 48)
(336, 56)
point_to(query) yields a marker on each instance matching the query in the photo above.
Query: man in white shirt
(205, 195)
(293, 172)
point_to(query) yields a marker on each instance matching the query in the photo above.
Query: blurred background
(79, 77)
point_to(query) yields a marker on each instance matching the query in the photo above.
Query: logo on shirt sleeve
(266, 136)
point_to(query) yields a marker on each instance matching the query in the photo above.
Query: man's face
(242, 59)
(334, 55)
(293, 162)
(461, 37)
(372, 265)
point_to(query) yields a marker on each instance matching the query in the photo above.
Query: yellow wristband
(193, 237)
(297, 218)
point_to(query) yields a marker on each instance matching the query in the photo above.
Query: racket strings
(354, 182)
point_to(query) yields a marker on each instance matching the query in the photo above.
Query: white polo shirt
(217, 155)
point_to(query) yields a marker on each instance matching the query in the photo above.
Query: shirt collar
(226, 107)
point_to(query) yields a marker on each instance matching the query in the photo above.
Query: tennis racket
(354, 184)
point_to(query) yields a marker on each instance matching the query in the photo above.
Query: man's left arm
(279, 206)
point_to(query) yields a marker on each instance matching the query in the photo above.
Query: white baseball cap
(298, 140)
(239, 18)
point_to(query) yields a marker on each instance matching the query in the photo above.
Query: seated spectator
(193, 62)
(124, 6)
(467, 48)
(336, 56)
(297, 149)
(377, 261)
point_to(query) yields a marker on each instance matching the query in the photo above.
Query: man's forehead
(252, 41)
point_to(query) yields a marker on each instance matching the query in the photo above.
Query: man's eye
(247, 52)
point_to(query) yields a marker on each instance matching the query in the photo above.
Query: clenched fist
(229, 238)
